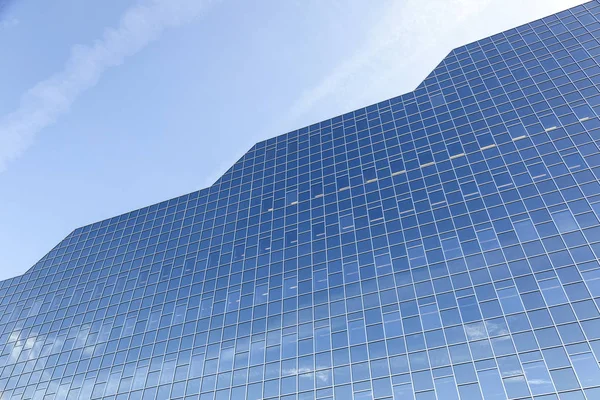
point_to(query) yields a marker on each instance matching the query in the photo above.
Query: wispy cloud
(9, 22)
(410, 38)
(41, 105)
(405, 33)
(6, 19)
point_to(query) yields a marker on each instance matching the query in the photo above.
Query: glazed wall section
(439, 245)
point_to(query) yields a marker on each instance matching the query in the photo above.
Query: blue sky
(110, 106)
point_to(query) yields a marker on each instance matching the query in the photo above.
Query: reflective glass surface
(440, 245)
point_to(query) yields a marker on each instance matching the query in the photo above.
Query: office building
(440, 245)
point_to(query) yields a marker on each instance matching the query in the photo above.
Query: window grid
(439, 245)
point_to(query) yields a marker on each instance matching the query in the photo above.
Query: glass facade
(443, 244)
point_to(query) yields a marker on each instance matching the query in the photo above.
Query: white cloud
(410, 38)
(402, 37)
(539, 381)
(41, 105)
(9, 22)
